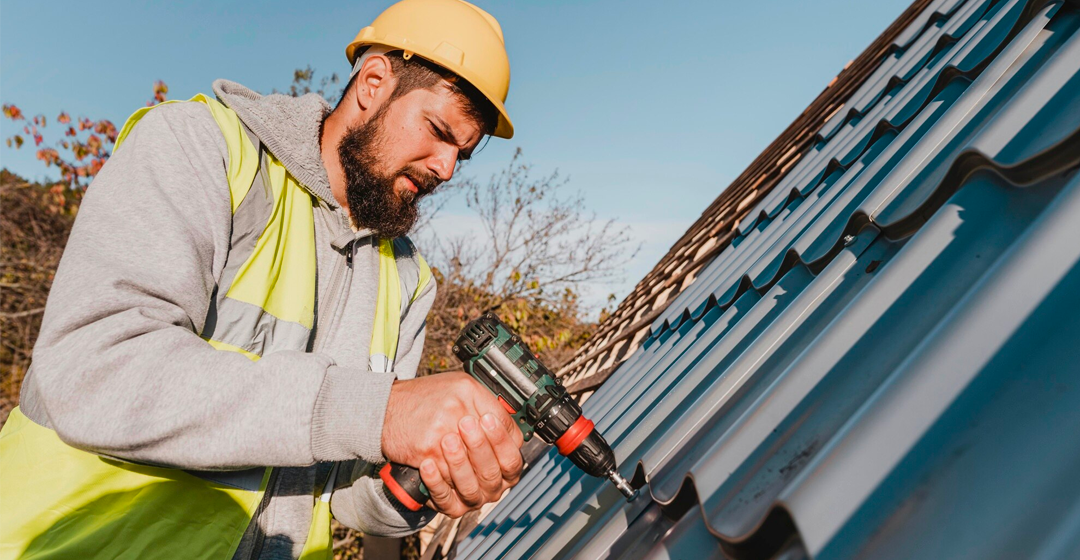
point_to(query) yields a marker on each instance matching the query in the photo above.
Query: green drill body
(493, 354)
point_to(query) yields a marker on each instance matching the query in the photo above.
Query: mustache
(425, 181)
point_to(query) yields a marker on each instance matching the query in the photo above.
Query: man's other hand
(455, 431)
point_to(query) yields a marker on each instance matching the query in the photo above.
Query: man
(237, 294)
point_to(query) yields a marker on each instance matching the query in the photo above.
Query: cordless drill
(497, 357)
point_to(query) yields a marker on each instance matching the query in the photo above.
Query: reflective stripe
(266, 270)
(253, 329)
(279, 276)
(249, 220)
(328, 488)
(425, 275)
(242, 325)
(380, 363)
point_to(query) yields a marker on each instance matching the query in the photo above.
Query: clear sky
(651, 108)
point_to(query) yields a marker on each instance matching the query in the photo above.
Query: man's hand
(452, 428)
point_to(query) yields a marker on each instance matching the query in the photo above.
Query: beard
(373, 202)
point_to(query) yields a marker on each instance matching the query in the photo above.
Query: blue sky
(650, 108)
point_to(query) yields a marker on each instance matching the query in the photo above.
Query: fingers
(461, 472)
(468, 446)
(485, 465)
(488, 405)
(443, 497)
(505, 447)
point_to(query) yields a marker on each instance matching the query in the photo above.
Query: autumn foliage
(82, 148)
(85, 142)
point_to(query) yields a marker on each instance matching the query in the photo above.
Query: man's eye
(435, 130)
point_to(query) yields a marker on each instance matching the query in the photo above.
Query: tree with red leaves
(83, 148)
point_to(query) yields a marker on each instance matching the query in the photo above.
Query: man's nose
(442, 163)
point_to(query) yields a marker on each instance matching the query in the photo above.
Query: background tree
(534, 252)
(304, 82)
(83, 147)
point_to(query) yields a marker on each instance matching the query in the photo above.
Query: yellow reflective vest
(60, 502)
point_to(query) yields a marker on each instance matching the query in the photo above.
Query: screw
(848, 240)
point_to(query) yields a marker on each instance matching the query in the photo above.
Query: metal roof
(883, 362)
(625, 329)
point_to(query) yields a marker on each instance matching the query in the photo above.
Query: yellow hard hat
(453, 34)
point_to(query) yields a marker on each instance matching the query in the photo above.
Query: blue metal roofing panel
(899, 102)
(821, 237)
(884, 363)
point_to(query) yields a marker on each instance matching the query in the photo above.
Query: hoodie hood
(289, 127)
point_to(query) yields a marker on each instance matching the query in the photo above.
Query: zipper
(327, 309)
(333, 292)
(260, 535)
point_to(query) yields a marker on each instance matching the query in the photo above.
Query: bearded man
(230, 347)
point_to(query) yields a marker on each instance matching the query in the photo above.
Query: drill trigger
(507, 406)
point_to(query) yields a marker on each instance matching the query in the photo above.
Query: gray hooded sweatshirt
(119, 368)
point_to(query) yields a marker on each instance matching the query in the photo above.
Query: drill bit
(622, 485)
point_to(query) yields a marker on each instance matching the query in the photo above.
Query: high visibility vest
(62, 502)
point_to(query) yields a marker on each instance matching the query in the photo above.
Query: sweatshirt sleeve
(119, 368)
(359, 502)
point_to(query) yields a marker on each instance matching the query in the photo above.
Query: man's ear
(374, 82)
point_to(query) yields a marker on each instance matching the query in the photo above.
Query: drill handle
(402, 484)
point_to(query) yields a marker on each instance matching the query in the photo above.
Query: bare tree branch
(535, 250)
(26, 313)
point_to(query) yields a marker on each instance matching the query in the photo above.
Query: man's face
(406, 149)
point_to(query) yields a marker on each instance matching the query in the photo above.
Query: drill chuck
(584, 446)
